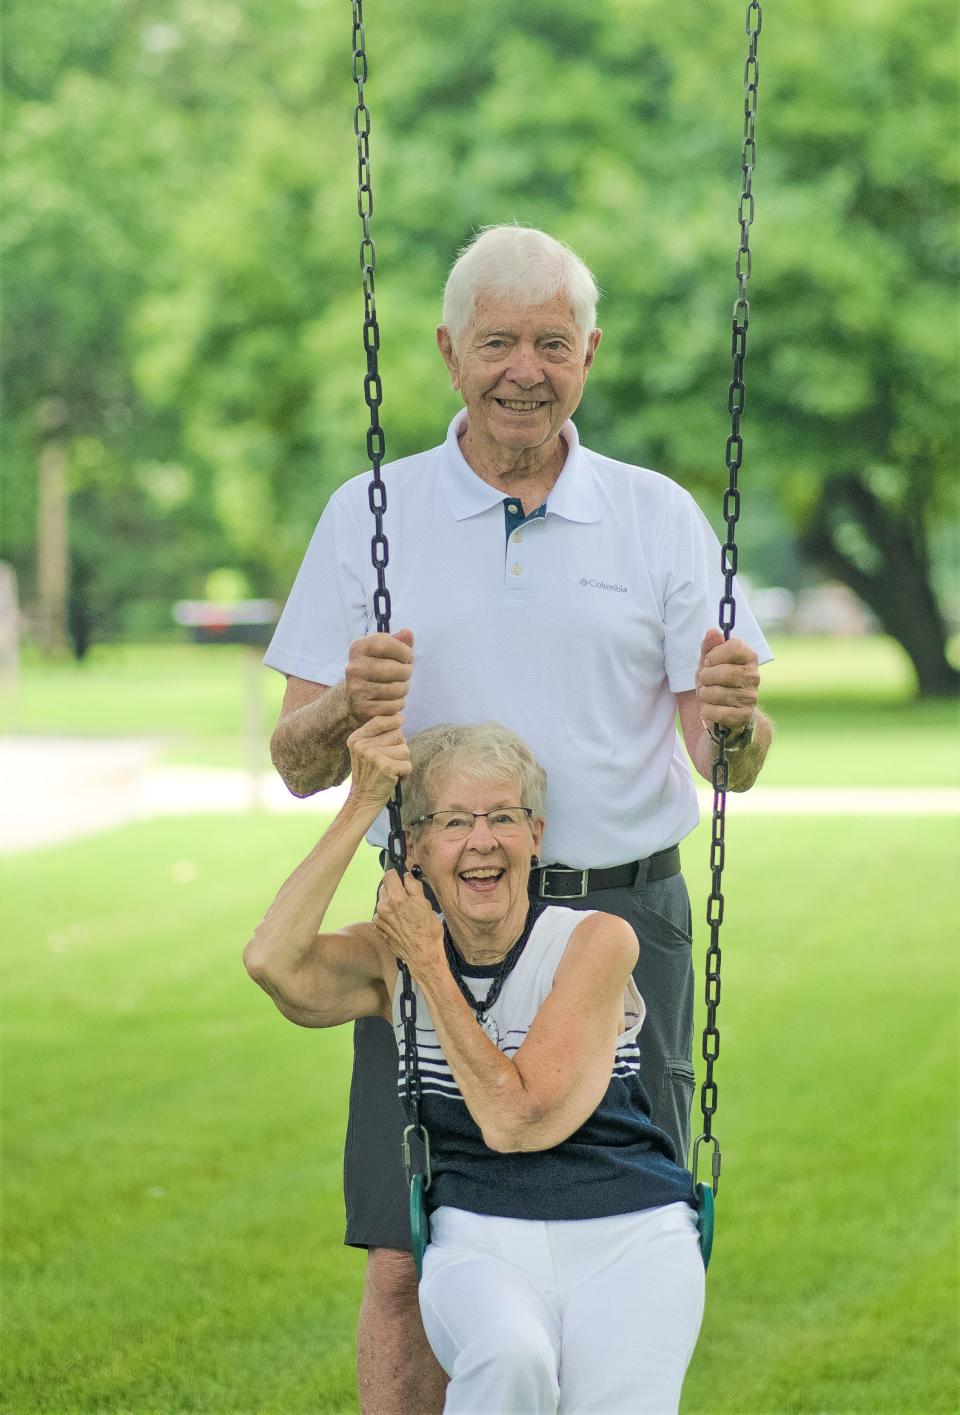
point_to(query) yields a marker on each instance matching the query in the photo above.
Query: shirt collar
(573, 495)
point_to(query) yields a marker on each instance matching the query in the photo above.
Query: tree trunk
(52, 571)
(897, 586)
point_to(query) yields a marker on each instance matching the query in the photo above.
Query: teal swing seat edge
(705, 1221)
(419, 1221)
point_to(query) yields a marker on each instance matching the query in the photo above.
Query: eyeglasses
(457, 825)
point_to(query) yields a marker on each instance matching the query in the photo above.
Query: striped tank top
(617, 1162)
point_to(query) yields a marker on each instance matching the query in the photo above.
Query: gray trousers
(659, 913)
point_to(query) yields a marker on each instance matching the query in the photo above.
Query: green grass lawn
(845, 715)
(189, 698)
(844, 709)
(172, 1236)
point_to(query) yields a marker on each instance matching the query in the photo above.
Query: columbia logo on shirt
(602, 585)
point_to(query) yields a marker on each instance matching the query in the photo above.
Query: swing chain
(379, 546)
(372, 387)
(728, 611)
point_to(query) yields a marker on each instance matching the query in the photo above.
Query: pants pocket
(665, 908)
(679, 1082)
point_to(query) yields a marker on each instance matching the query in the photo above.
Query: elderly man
(568, 596)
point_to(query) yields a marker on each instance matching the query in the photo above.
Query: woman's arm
(558, 1076)
(317, 979)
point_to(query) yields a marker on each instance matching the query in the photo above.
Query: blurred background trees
(182, 348)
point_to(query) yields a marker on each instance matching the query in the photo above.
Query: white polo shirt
(576, 632)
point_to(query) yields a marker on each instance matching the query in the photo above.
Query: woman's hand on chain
(408, 925)
(379, 758)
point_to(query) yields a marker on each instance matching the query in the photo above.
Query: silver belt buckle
(578, 893)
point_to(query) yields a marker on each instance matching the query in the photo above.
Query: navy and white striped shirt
(617, 1162)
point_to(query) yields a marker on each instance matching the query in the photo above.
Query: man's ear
(593, 342)
(449, 355)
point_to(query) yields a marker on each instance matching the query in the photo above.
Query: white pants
(576, 1316)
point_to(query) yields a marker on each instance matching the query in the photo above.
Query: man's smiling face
(519, 371)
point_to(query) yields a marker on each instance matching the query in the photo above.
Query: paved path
(57, 789)
(54, 789)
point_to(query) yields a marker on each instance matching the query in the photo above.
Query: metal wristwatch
(742, 739)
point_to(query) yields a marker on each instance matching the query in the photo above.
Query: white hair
(522, 264)
(484, 751)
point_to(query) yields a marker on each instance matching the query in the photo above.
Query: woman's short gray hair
(522, 264)
(484, 751)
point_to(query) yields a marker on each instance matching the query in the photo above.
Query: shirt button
(516, 569)
(513, 508)
(518, 537)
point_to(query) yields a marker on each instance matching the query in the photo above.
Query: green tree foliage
(183, 273)
(94, 173)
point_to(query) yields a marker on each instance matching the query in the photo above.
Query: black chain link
(728, 609)
(377, 496)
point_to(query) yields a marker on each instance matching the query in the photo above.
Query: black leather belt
(560, 882)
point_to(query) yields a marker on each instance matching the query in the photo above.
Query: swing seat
(419, 1183)
(419, 1221)
(705, 1219)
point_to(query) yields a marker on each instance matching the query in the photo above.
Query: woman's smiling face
(480, 878)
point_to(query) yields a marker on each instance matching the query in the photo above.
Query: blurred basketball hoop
(243, 621)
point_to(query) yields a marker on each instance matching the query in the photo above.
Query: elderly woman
(563, 1271)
